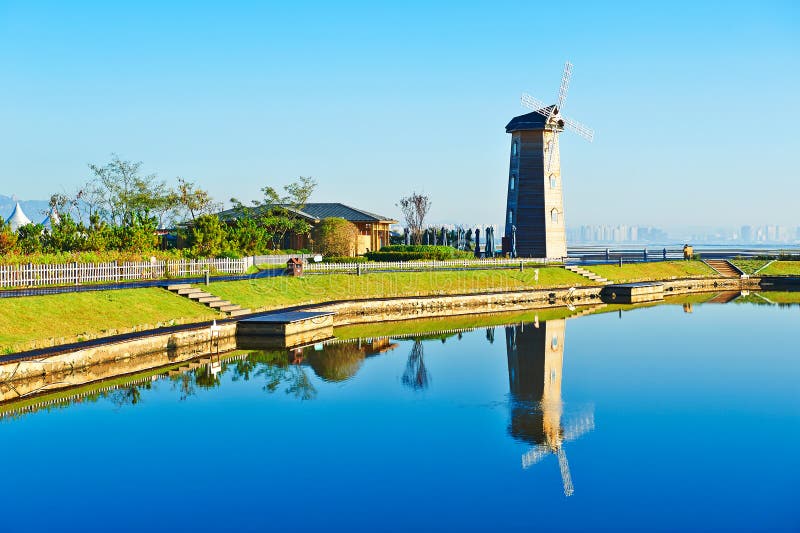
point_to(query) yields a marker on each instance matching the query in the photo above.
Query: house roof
(17, 218)
(314, 212)
(529, 121)
(328, 210)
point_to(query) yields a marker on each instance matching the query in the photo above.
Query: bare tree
(415, 208)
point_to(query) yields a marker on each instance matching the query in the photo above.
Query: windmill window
(553, 182)
(510, 216)
(554, 342)
(514, 149)
(554, 215)
(553, 375)
(511, 182)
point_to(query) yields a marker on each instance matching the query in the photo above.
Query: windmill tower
(534, 225)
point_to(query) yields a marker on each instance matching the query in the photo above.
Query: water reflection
(416, 375)
(535, 363)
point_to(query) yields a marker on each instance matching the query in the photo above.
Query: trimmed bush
(417, 253)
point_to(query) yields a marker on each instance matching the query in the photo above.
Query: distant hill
(35, 209)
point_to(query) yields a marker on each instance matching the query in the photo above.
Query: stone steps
(724, 268)
(587, 274)
(208, 299)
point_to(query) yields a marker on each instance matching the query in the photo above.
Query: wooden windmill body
(534, 223)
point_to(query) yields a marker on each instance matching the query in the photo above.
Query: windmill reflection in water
(535, 362)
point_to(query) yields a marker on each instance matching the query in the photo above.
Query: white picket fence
(32, 275)
(424, 265)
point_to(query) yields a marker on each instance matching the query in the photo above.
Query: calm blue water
(658, 419)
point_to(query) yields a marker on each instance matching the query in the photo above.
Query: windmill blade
(534, 455)
(578, 428)
(584, 131)
(537, 105)
(566, 478)
(562, 91)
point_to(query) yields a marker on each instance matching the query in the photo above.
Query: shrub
(335, 237)
(417, 253)
(340, 259)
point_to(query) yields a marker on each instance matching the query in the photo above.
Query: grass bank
(662, 270)
(775, 268)
(36, 321)
(273, 293)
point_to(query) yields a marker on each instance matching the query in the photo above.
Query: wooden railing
(33, 275)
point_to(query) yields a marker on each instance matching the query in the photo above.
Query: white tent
(17, 218)
(51, 219)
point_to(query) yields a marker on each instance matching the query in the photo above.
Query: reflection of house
(373, 230)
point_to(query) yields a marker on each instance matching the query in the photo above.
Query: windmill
(535, 371)
(535, 203)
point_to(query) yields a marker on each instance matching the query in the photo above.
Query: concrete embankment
(191, 342)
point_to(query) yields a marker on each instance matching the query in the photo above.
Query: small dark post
(521, 266)
(645, 254)
(620, 260)
(608, 254)
(208, 275)
(358, 269)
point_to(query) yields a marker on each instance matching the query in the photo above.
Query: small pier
(632, 293)
(284, 330)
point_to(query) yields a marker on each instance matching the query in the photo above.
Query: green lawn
(272, 293)
(425, 326)
(653, 271)
(782, 268)
(749, 266)
(35, 321)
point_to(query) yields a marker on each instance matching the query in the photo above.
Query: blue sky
(694, 104)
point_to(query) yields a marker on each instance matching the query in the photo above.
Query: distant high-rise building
(746, 234)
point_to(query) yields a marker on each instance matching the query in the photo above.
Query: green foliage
(417, 252)
(207, 236)
(194, 200)
(278, 214)
(341, 259)
(335, 237)
(8, 239)
(122, 195)
(29, 238)
(248, 237)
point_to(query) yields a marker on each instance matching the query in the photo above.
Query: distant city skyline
(376, 101)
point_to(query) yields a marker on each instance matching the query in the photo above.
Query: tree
(335, 237)
(194, 200)
(8, 238)
(29, 238)
(122, 194)
(415, 208)
(207, 236)
(279, 214)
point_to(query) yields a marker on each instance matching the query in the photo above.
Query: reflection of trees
(337, 362)
(127, 396)
(185, 385)
(205, 379)
(276, 370)
(416, 375)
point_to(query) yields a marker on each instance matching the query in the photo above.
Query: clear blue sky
(695, 104)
